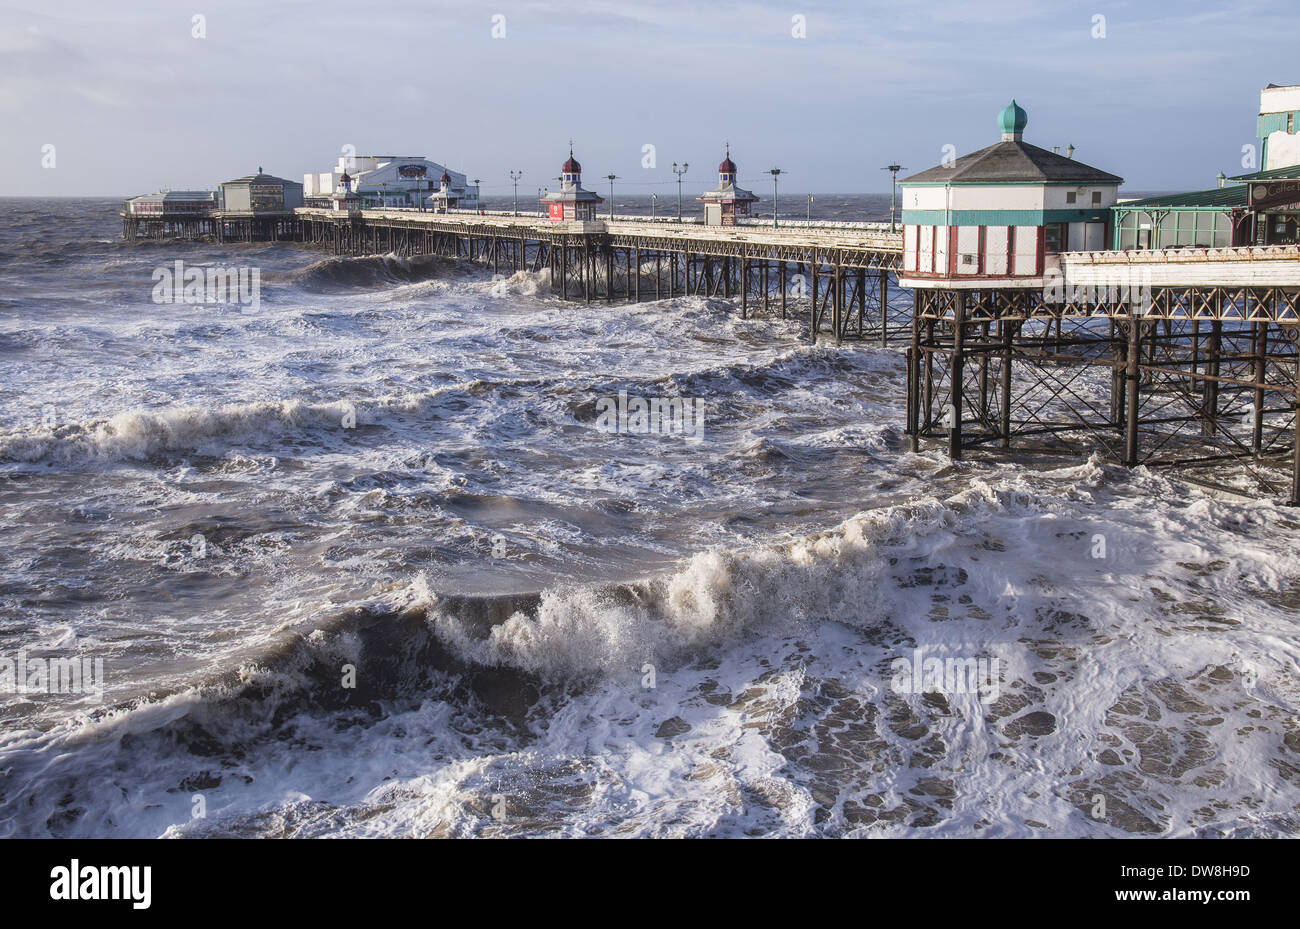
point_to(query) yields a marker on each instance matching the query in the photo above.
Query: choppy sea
(361, 563)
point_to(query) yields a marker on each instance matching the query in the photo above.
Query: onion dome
(445, 180)
(727, 166)
(571, 166)
(1012, 121)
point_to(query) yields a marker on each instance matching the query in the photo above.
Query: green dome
(1012, 119)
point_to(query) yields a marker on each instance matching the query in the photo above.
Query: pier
(840, 277)
(1198, 345)
(1020, 329)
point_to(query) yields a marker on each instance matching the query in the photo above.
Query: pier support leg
(884, 308)
(1117, 366)
(837, 304)
(1210, 394)
(1004, 413)
(984, 373)
(744, 287)
(812, 317)
(1261, 374)
(1131, 379)
(1295, 448)
(766, 299)
(781, 282)
(956, 373)
(914, 385)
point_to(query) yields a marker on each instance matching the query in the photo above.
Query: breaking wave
(371, 272)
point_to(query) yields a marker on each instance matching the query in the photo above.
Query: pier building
(259, 193)
(345, 199)
(172, 203)
(1000, 214)
(1279, 126)
(387, 181)
(1273, 198)
(724, 204)
(571, 203)
(1215, 218)
(448, 196)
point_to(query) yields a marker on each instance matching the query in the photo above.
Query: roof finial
(1011, 121)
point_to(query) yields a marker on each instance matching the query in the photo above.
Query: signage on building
(1263, 196)
(557, 211)
(410, 171)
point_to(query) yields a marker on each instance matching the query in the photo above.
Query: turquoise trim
(1276, 122)
(1002, 217)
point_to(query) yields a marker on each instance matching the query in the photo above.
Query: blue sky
(132, 101)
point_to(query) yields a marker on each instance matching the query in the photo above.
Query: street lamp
(611, 178)
(775, 172)
(893, 192)
(679, 172)
(810, 208)
(478, 197)
(515, 176)
(654, 199)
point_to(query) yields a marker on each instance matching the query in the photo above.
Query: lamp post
(611, 178)
(654, 199)
(541, 192)
(893, 191)
(478, 197)
(810, 208)
(775, 172)
(515, 176)
(679, 172)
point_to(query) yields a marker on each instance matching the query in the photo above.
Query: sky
(120, 97)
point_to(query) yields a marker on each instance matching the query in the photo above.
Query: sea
(367, 556)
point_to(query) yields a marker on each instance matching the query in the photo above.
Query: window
(1070, 197)
(1096, 198)
(1052, 238)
